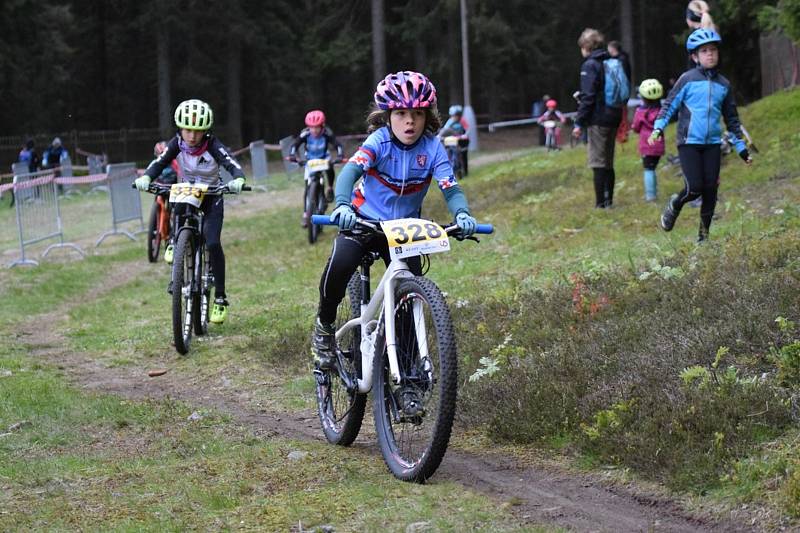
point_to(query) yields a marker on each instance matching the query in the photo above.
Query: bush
(601, 358)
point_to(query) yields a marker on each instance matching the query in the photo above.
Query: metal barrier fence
(258, 165)
(37, 213)
(126, 203)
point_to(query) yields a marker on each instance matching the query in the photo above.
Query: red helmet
(159, 147)
(315, 118)
(551, 104)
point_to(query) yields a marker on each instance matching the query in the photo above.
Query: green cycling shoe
(219, 311)
(169, 254)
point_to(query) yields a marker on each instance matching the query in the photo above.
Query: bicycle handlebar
(155, 188)
(325, 220)
(302, 162)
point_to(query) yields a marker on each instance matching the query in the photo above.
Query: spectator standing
(616, 52)
(28, 155)
(601, 120)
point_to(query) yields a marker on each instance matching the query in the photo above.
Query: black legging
(214, 210)
(700, 164)
(348, 249)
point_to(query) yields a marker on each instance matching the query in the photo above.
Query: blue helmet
(455, 110)
(700, 37)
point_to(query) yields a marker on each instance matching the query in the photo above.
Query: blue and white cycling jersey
(396, 176)
(317, 147)
(701, 97)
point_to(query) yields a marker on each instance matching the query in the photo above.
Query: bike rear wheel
(311, 208)
(182, 283)
(201, 300)
(414, 419)
(341, 412)
(153, 233)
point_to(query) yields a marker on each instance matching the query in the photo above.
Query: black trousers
(213, 208)
(348, 250)
(700, 164)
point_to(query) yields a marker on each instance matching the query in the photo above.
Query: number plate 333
(188, 193)
(409, 237)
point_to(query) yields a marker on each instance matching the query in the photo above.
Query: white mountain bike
(399, 343)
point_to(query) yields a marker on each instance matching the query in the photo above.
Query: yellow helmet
(651, 89)
(194, 115)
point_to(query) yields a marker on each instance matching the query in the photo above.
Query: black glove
(745, 155)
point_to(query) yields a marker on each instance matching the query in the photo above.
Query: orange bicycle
(158, 230)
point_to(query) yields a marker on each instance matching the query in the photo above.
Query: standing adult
(54, 155)
(698, 15)
(599, 119)
(28, 155)
(616, 52)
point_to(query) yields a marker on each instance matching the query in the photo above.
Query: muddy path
(536, 494)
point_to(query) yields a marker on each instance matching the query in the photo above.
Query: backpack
(617, 85)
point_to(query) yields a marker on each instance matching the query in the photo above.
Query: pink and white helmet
(405, 90)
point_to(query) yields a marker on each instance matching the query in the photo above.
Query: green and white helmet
(194, 115)
(651, 89)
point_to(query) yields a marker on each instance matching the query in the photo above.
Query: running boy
(644, 119)
(701, 96)
(199, 155)
(396, 163)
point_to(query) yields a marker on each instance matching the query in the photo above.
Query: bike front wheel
(311, 208)
(182, 283)
(414, 418)
(341, 411)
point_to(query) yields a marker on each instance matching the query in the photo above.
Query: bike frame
(377, 313)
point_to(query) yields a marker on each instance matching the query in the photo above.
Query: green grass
(591, 316)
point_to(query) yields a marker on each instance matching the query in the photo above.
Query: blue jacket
(701, 97)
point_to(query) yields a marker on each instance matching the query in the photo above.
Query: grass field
(593, 335)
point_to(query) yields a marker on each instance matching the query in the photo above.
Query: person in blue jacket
(397, 164)
(701, 97)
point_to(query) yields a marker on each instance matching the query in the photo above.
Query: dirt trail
(538, 494)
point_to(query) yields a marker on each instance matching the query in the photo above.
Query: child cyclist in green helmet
(396, 164)
(701, 96)
(200, 155)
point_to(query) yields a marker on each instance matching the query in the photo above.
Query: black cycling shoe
(669, 215)
(323, 346)
(702, 233)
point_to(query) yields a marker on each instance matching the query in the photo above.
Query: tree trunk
(378, 42)
(626, 31)
(234, 118)
(164, 86)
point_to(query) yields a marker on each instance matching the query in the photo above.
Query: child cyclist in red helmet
(200, 155)
(552, 113)
(319, 139)
(396, 164)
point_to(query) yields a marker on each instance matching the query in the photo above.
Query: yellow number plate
(408, 237)
(188, 193)
(317, 165)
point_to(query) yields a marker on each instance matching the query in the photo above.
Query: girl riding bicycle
(459, 126)
(552, 113)
(319, 139)
(199, 155)
(396, 163)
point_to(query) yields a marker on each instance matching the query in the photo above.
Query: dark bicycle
(314, 200)
(192, 278)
